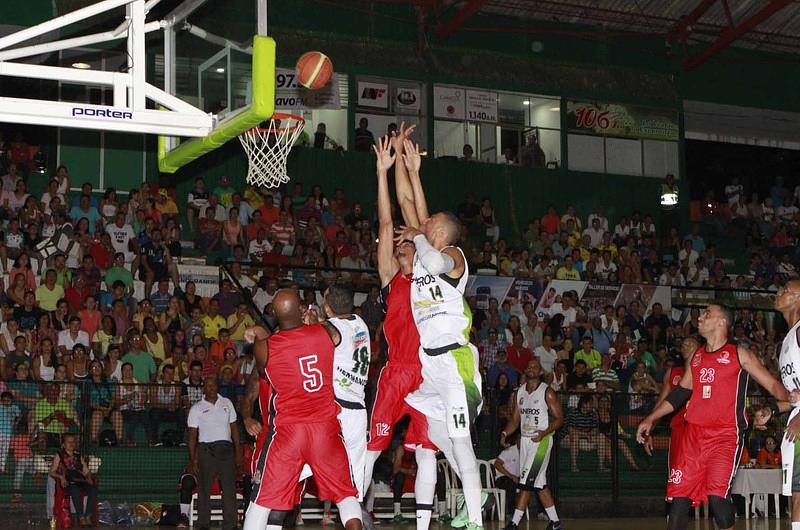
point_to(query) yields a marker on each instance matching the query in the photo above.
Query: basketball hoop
(268, 148)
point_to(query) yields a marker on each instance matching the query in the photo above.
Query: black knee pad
(679, 514)
(722, 511)
(276, 517)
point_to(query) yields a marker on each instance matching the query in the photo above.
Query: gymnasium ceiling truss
(694, 31)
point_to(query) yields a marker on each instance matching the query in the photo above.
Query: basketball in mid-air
(314, 70)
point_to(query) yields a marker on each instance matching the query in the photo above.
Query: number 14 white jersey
(351, 358)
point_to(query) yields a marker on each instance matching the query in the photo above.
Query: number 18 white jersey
(351, 358)
(790, 360)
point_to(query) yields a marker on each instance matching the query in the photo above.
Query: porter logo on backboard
(102, 113)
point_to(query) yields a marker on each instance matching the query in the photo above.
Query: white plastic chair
(486, 470)
(452, 485)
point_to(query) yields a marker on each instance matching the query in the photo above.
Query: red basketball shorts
(394, 384)
(676, 434)
(285, 452)
(707, 460)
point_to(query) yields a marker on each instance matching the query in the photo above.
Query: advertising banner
(624, 121)
(291, 95)
(407, 101)
(374, 95)
(482, 106)
(448, 102)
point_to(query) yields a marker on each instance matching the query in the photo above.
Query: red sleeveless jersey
(398, 326)
(719, 386)
(675, 375)
(299, 369)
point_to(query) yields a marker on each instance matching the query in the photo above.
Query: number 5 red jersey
(300, 369)
(719, 387)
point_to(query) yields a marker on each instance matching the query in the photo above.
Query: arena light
(669, 199)
(555, 109)
(82, 66)
(526, 102)
(220, 70)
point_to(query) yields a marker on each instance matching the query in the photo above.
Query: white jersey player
(535, 403)
(787, 302)
(450, 393)
(350, 369)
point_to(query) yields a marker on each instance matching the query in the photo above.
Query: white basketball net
(267, 150)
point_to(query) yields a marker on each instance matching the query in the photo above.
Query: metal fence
(136, 441)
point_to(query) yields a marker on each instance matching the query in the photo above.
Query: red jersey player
(677, 421)
(301, 426)
(403, 371)
(715, 383)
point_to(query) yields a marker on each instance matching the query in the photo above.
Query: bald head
(286, 306)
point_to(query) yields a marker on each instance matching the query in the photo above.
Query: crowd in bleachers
(93, 311)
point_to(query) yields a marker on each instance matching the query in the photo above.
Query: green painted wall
(122, 156)
(518, 194)
(25, 13)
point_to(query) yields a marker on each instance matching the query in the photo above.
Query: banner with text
(626, 121)
(289, 94)
(482, 106)
(448, 102)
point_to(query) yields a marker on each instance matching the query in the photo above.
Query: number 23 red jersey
(719, 386)
(299, 369)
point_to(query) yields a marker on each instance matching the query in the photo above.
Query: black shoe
(555, 525)
(511, 526)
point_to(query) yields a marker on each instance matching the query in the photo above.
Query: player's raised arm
(413, 162)
(402, 184)
(757, 371)
(387, 264)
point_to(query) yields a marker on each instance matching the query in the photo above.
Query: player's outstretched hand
(503, 443)
(405, 232)
(643, 431)
(792, 433)
(311, 316)
(253, 427)
(538, 436)
(383, 152)
(411, 156)
(401, 135)
(253, 333)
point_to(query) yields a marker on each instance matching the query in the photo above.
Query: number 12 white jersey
(351, 358)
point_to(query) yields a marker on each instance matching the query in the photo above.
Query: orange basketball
(314, 70)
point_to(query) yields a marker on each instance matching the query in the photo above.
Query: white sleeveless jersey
(351, 358)
(790, 360)
(440, 310)
(533, 410)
